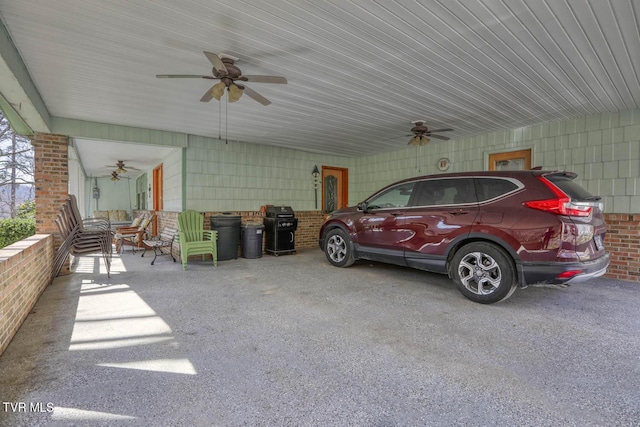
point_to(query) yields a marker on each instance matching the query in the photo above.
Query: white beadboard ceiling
(358, 71)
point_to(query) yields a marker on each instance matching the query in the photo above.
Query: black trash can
(228, 228)
(252, 240)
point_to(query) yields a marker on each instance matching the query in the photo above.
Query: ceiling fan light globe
(218, 90)
(234, 93)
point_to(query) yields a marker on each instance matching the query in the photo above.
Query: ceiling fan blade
(398, 137)
(256, 96)
(216, 91)
(207, 95)
(183, 76)
(440, 130)
(234, 93)
(439, 137)
(216, 62)
(264, 79)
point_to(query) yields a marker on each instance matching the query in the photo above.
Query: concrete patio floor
(291, 340)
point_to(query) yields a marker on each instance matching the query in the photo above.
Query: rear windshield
(571, 188)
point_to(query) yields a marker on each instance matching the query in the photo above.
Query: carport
(552, 82)
(291, 340)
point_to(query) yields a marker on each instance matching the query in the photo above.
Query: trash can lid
(226, 220)
(252, 225)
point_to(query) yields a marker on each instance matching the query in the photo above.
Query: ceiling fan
(422, 134)
(225, 70)
(120, 167)
(114, 176)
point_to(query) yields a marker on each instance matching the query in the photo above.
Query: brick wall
(623, 243)
(25, 266)
(52, 179)
(25, 269)
(51, 155)
(309, 223)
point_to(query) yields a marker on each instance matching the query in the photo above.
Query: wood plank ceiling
(359, 71)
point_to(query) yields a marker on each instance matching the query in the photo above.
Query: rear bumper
(548, 273)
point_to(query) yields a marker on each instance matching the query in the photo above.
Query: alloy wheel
(336, 248)
(480, 273)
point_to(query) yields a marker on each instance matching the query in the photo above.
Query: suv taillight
(560, 205)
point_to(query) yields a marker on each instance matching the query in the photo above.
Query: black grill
(280, 224)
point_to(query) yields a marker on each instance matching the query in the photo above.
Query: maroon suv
(489, 231)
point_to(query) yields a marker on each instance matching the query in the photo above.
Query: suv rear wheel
(483, 272)
(337, 248)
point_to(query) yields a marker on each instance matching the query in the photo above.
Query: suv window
(571, 188)
(448, 191)
(490, 188)
(394, 197)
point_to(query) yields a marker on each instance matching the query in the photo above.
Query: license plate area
(597, 239)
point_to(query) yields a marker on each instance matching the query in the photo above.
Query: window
(511, 160)
(447, 191)
(490, 188)
(395, 197)
(572, 189)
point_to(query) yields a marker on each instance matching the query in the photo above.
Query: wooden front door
(335, 188)
(157, 196)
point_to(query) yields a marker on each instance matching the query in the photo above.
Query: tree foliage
(27, 210)
(16, 169)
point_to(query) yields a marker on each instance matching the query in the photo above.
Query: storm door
(334, 188)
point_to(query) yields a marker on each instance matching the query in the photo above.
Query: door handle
(459, 212)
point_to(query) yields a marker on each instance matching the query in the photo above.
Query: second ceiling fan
(422, 134)
(225, 70)
(120, 167)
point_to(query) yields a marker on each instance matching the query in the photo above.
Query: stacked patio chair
(81, 236)
(194, 239)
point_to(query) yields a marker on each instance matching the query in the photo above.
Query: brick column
(52, 181)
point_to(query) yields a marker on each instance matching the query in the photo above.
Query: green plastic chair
(194, 239)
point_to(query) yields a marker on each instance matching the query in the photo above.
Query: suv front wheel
(483, 272)
(337, 248)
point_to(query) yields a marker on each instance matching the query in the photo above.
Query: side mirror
(363, 206)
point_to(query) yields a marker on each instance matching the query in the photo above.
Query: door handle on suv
(459, 212)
